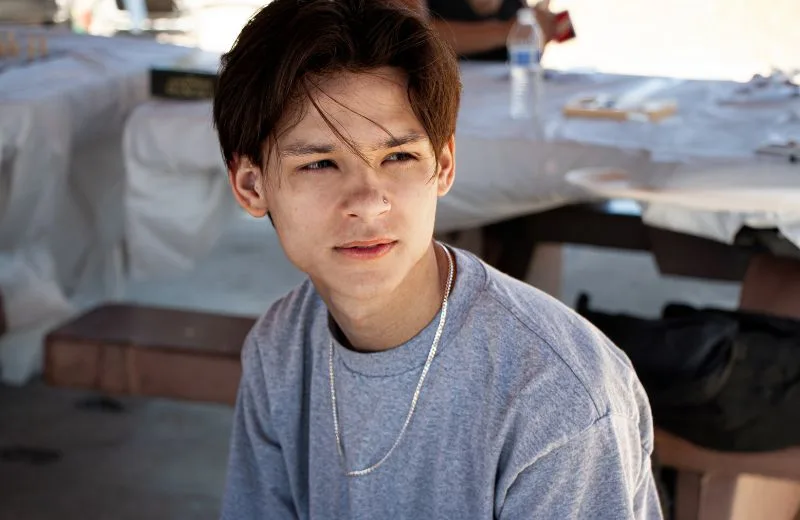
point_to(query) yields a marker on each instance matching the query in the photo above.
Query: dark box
(192, 77)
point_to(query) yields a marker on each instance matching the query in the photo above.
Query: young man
(404, 378)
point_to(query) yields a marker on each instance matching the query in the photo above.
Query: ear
(247, 182)
(447, 167)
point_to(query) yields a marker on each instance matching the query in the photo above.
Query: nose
(365, 199)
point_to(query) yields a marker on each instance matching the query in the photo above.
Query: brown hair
(289, 43)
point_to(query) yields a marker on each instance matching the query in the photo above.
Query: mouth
(367, 249)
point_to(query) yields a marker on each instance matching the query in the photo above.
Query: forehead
(361, 105)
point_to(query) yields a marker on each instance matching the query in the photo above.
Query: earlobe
(447, 166)
(248, 187)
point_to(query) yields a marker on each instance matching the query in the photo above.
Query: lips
(367, 249)
(366, 243)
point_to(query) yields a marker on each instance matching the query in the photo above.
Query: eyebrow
(301, 148)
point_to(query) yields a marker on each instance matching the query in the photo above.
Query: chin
(363, 283)
(371, 283)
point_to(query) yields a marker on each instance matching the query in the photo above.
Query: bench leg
(761, 497)
(686, 503)
(771, 285)
(704, 497)
(716, 496)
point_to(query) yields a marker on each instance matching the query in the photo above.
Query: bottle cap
(525, 16)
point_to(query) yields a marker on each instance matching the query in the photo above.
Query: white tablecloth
(504, 167)
(177, 196)
(706, 132)
(62, 174)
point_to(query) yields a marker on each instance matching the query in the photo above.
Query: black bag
(725, 380)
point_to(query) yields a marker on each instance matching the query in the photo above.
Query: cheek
(299, 239)
(417, 197)
(298, 223)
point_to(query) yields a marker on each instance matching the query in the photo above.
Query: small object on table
(606, 107)
(8, 45)
(193, 77)
(778, 87)
(12, 46)
(31, 48)
(789, 149)
(37, 47)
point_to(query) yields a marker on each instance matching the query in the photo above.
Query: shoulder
(273, 340)
(572, 374)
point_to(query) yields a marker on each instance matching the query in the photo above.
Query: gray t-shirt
(527, 412)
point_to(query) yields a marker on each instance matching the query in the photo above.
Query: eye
(400, 157)
(319, 165)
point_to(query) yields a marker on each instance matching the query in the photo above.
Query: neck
(389, 320)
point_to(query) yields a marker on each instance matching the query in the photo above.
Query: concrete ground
(159, 459)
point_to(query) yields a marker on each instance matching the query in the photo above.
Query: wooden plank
(158, 327)
(135, 350)
(509, 245)
(677, 453)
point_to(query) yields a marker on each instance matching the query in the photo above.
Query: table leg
(508, 247)
(512, 249)
(545, 272)
(3, 325)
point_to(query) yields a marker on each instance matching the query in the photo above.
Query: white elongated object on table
(748, 188)
(137, 10)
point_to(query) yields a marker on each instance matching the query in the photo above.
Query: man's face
(357, 225)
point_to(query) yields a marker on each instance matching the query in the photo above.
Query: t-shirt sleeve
(603, 472)
(257, 484)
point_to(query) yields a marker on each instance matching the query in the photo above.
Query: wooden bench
(715, 485)
(134, 350)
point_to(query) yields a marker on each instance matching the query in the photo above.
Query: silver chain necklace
(414, 399)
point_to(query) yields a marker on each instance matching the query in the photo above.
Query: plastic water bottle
(525, 44)
(137, 10)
